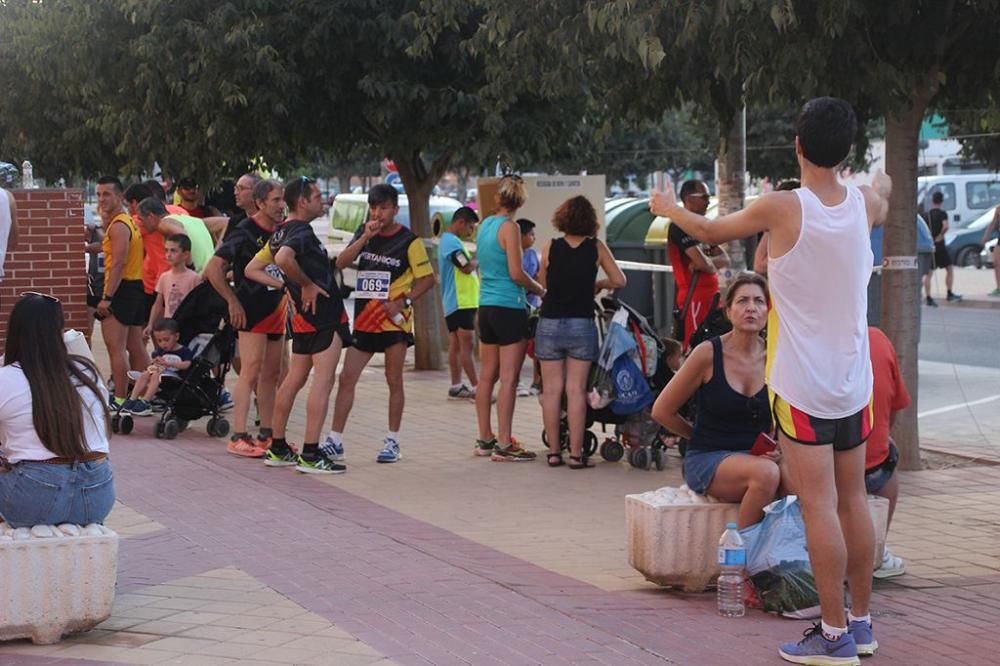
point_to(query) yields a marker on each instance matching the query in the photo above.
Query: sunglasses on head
(48, 297)
(700, 195)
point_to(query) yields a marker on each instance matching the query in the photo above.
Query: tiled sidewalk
(446, 558)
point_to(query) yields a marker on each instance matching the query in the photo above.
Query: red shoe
(244, 446)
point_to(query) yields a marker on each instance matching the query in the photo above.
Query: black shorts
(844, 433)
(316, 342)
(941, 257)
(129, 304)
(502, 326)
(377, 343)
(150, 302)
(464, 319)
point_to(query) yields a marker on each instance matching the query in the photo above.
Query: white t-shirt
(18, 439)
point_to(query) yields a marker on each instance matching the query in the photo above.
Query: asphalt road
(964, 336)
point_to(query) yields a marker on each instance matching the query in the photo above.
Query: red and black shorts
(844, 433)
(273, 323)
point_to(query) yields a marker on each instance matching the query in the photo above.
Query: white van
(350, 211)
(966, 196)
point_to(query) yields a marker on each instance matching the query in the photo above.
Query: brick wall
(49, 257)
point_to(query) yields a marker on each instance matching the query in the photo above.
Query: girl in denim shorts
(566, 338)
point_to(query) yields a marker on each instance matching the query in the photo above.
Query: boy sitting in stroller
(169, 359)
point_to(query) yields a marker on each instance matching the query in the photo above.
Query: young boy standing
(532, 264)
(169, 358)
(175, 283)
(460, 299)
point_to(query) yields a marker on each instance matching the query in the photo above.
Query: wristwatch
(407, 301)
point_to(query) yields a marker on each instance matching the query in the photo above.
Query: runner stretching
(819, 370)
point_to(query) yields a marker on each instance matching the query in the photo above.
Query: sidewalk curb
(977, 303)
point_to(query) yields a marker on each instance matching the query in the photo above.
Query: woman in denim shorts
(53, 425)
(566, 337)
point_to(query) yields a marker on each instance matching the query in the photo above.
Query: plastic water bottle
(27, 175)
(733, 560)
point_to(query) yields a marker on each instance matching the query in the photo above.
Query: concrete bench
(55, 580)
(673, 535)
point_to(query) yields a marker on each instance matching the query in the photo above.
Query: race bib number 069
(373, 284)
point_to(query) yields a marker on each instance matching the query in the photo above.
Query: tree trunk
(730, 183)
(901, 288)
(462, 177)
(418, 182)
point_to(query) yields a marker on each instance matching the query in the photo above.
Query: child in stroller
(169, 359)
(634, 428)
(199, 390)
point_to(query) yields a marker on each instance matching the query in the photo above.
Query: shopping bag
(778, 562)
(632, 393)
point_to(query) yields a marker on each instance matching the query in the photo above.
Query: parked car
(964, 242)
(986, 256)
(966, 196)
(350, 211)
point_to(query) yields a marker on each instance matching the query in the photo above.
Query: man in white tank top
(819, 370)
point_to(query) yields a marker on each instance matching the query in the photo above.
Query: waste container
(651, 293)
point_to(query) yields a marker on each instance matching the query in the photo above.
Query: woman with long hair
(566, 339)
(54, 426)
(503, 321)
(726, 374)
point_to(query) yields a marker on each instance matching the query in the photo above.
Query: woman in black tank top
(566, 337)
(727, 376)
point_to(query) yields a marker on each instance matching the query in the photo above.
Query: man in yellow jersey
(819, 369)
(123, 303)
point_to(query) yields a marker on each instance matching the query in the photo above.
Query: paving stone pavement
(445, 558)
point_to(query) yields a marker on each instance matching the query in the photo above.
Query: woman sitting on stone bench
(54, 464)
(725, 375)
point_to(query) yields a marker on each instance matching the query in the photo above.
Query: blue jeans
(575, 337)
(34, 493)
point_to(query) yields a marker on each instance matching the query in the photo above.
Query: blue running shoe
(332, 449)
(390, 451)
(863, 637)
(226, 402)
(815, 650)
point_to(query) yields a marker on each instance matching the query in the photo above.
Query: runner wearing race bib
(383, 313)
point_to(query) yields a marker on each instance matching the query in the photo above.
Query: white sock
(336, 437)
(833, 633)
(393, 435)
(456, 386)
(864, 618)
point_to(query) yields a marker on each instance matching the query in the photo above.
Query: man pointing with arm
(819, 369)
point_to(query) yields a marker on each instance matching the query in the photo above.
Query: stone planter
(55, 580)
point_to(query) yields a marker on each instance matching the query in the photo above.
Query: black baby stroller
(198, 391)
(634, 431)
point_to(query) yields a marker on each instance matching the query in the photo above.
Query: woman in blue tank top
(726, 377)
(566, 339)
(503, 322)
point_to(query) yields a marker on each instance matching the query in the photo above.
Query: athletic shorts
(502, 326)
(844, 433)
(464, 319)
(274, 323)
(377, 343)
(129, 304)
(319, 341)
(878, 476)
(150, 302)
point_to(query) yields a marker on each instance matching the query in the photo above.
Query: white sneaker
(891, 566)
(523, 391)
(390, 451)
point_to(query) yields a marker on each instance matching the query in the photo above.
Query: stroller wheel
(182, 424)
(639, 458)
(589, 443)
(116, 423)
(158, 430)
(563, 438)
(217, 427)
(612, 450)
(171, 428)
(658, 459)
(126, 424)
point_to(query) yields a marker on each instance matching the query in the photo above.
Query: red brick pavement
(420, 594)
